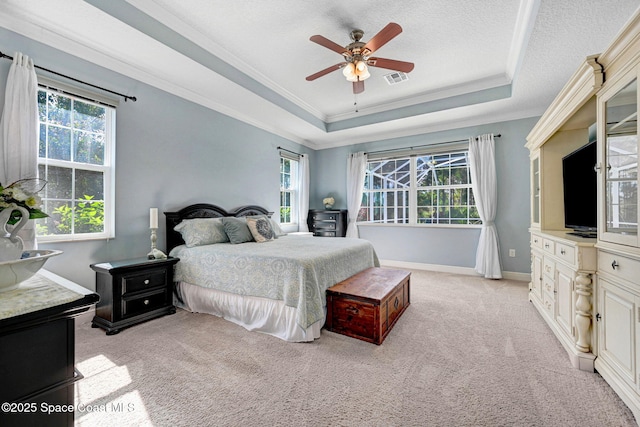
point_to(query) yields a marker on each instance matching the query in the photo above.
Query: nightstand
(328, 222)
(133, 291)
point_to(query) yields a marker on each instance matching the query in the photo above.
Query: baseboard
(510, 275)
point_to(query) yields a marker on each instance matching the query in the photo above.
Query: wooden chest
(368, 304)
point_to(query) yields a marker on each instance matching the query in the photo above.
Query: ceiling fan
(357, 56)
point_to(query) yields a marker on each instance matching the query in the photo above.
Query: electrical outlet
(512, 253)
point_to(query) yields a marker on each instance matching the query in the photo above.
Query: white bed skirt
(253, 313)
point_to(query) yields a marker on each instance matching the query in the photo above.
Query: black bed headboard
(203, 210)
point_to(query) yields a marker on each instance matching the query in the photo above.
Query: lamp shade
(349, 70)
(361, 70)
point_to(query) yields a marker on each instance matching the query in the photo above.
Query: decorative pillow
(260, 228)
(276, 228)
(237, 230)
(202, 231)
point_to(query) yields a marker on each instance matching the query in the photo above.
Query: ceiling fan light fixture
(362, 71)
(349, 70)
(357, 56)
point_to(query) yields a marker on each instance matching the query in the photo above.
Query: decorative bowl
(13, 272)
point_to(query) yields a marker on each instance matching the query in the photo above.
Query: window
(288, 190)
(76, 158)
(423, 189)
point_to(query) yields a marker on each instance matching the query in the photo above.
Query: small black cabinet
(133, 291)
(328, 222)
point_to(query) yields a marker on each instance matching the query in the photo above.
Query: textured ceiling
(475, 62)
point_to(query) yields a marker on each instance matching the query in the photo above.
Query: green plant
(86, 217)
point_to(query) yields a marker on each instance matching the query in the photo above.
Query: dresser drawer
(325, 233)
(618, 265)
(548, 303)
(548, 267)
(565, 252)
(144, 280)
(536, 241)
(548, 288)
(548, 245)
(143, 304)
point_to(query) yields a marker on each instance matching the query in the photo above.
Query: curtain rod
(426, 145)
(289, 151)
(126, 97)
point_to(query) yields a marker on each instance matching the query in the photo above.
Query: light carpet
(467, 352)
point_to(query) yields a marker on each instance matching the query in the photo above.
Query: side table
(133, 291)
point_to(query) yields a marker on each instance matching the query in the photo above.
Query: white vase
(11, 246)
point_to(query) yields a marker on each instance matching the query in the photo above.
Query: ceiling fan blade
(323, 41)
(383, 37)
(358, 86)
(326, 71)
(391, 64)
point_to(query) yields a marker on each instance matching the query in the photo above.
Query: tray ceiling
(475, 62)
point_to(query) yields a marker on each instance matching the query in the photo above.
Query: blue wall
(439, 245)
(171, 152)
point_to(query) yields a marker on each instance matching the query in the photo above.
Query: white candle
(153, 218)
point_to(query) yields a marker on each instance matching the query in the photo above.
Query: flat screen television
(580, 182)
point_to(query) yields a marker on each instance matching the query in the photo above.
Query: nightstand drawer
(143, 281)
(325, 216)
(143, 304)
(324, 233)
(325, 225)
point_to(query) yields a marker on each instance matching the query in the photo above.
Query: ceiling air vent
(396, 77)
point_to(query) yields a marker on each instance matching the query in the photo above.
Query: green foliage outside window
(86, 217)
(442, 190)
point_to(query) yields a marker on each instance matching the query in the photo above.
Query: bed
(276, 286)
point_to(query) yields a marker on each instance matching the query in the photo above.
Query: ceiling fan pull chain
(355, 101)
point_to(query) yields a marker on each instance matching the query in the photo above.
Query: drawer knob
(396, 303)
(146, 302)
(146, 282)
(563, 252)
(615, 264)
(546, 246)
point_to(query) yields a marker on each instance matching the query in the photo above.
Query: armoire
(587, 289)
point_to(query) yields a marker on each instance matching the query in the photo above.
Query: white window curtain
(356, 169)
(485, 190)
(303, 192)
(19, 131)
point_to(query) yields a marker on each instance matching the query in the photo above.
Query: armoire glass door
(620, 166)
